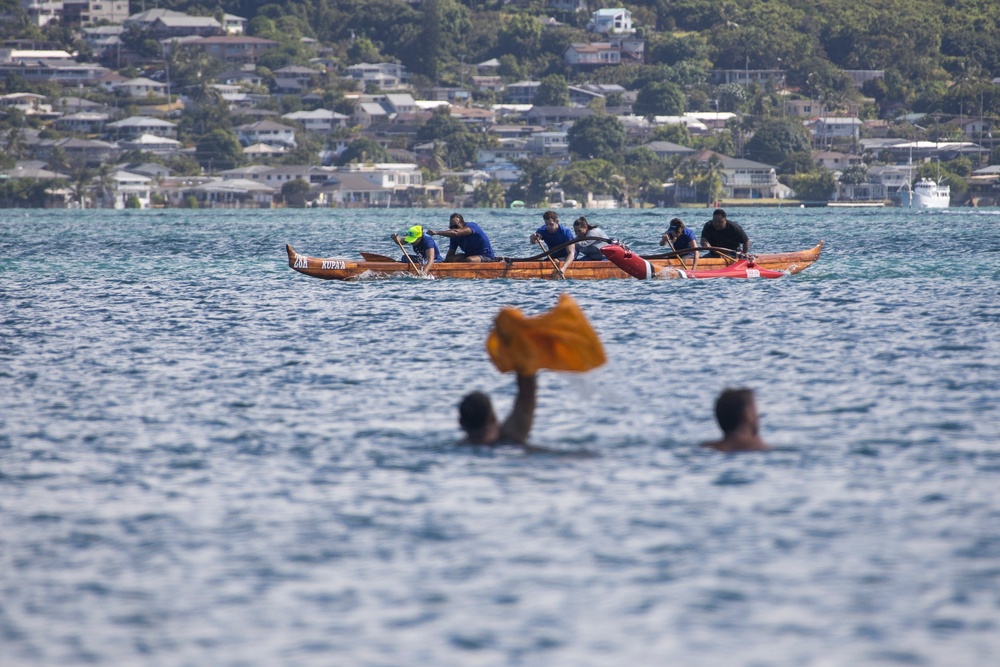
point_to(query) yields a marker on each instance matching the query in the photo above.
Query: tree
(591, 176)
(776, 140)
(532, 185)
(363, 150)
(296, 186)
(856, 174)
(659, 98)
(552, 92)
(219, 149)
(490, 194)
(814, 186)
(677, 133)
(598, 137)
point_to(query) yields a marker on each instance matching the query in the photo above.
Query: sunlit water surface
(207, 458)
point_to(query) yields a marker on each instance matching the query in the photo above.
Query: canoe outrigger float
(641, 268)
(375, 266)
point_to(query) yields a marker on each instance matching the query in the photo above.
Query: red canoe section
(637, 267)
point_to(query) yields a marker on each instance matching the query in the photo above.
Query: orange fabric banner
(559, 340)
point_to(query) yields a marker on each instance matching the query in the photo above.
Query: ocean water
(207, 458)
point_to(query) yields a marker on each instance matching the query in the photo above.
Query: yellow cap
(413, 233)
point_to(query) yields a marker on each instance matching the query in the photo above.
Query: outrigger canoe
(524, 269)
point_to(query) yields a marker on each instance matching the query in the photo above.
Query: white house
(129, 185)
(151, 143)
(135, 126)
(509, 151)
(266, 132)
(86, 122)
(611, 21)
(548, 143)
(594, 54)
(828, 128)
(836, 161)
(234, 25)
(319, 120)
(141, 87)
(385, 76)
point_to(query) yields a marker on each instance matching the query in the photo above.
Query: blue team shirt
(687, 239)
(425, 243)
(476, 243)
(558, 237)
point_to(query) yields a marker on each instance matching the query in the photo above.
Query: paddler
(736, 412)
(681, 237)
(589, 250)
(553, 235)
(427, 251)
(467, 237)
(724, 233)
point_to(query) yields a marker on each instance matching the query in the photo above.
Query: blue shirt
(476, 243)
(553, 239)
(425, 243)
(686, 239)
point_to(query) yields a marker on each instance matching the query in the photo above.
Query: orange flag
(559, 340)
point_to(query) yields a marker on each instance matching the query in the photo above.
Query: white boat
(925, 194)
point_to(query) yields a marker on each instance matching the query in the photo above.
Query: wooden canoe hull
(348, 269)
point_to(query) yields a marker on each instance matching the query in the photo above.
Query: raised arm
(517, 426)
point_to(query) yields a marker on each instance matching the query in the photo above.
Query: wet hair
(457, 216)
(718, 211)
(474, 411)
(731, 406)
(583, 221)
(548, 215)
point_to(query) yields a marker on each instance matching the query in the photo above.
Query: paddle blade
(559, 340)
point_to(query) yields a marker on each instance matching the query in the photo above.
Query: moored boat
(518, 269)
(925, 194)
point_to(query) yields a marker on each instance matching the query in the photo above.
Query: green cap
(413, 233)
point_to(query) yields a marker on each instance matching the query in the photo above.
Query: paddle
(679, 259)
(375, 257)
(541, 244)
(395, 237)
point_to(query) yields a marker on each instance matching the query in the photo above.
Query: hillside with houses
(562, 103)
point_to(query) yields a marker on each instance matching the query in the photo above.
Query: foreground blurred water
(208, 458)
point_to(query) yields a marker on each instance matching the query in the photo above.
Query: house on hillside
(615, 21)
(827, 129)
(383, 76)
(668, 149)
(741, 179)
(231, 50)
(266, 132)
(84, 122)
(89, 12)
(836, 161)
(140, 87)
(319, 120)
(135, 126)
(522, 92)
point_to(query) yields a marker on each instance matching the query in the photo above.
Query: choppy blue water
(207, 458)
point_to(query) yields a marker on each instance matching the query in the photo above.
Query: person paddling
(681, 237)
(553, 234)
(427, 251)
(736, 412)
(722, 232)
(589, 250)
(467, 237)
